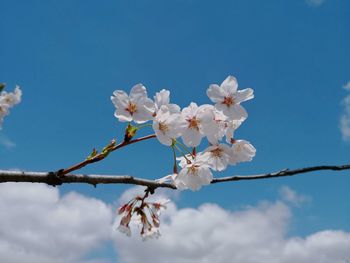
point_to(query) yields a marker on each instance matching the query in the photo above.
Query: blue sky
(69, 56)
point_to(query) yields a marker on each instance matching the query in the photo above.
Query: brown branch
(281, 173)
(101, 156)
(55, 179)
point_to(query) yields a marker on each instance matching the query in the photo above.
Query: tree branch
(281, 173)
(102, 155)
(52, 178)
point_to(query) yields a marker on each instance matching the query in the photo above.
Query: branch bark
(54, 178)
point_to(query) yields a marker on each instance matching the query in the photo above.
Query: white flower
(136, 107)
(162, 98)
(125, 229)
(150, 233)
(167, 125)
(200, 122)
(8, 100)
(231, 126)
(228, 98)
(220, 127)
(193, 174)
(218, 156)
(242, 151)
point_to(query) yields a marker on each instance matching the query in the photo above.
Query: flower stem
(175, 164)
(144, 125)
(101, 156)
(183, 154)
(185, 148)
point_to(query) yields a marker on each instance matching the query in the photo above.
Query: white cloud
(37, 225)
(347, 86)
(344, 123)
(6, 142)
(212, 234)
(315, 3)
(291, 196)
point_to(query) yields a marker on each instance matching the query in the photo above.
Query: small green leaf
(107, 149)
(130, 132)
(92, 155)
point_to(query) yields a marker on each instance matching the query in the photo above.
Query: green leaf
(92, 155)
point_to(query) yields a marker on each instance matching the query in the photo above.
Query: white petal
(207, 123)
(205, 176)
(192, 137)
(215, 93)
(242, 151)
(231, 127)
(120, 99)
(148, 104)
(141, 116)
(163, 138)
(173, 108)
(243, 95)
(177, 125)
(229, 85)
(190, 111)
(162, 98)
(234, 112)
(122, 115)
(138, 92)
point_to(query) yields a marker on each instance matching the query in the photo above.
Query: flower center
(193, 123)
(163, 127)
(228, 101)
(132, 108)
(193, 169)
(217, 152)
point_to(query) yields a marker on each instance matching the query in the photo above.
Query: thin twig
(281, 173)
(101, 156)
(94, 179)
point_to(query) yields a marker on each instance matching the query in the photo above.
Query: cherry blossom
(7, 101)
(231, 126)
(163, 98)
(242, 151)
(194, 173)
(193, 123)
(145, 215)
(167, 125)
(200, 122)
(227, 98)
(218, 156)
(136, 107)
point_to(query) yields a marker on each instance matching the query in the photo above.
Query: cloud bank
(212, 234)
(38, 225)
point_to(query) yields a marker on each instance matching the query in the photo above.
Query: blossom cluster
(192, 124)
(7, 101)
(144, 214)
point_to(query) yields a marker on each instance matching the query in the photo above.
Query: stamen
(163, 127)
(132, 108)
(217, 152)
(193, 123)
(228, 101)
